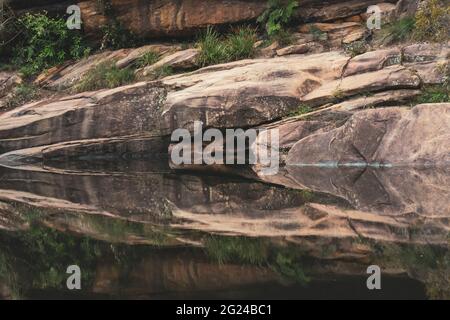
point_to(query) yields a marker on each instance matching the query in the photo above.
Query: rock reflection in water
(181, 235)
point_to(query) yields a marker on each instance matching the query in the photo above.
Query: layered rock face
(159, 18)
(162, 18)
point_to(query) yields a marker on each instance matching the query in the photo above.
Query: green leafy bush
(277, 15)
(105, 75)
(215, 50)
(147, 59)
(46, 42)
(432, 21)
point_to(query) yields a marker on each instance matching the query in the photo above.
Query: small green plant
(277, 15)
(22, 94)
(105, 75)
(147, 59)
(301, 110)
(239, 44)
(434, 94)
(163, 71)
(46, 42)
(212, 48)
(432, 21)
(338, 94)
(215, 50)
(236, 249)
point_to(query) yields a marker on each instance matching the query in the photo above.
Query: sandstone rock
(8, 82)
(373, 60)
(394, 77)
(295, 49)
(138, 52)
(373, 136)
(386, 98)
(181, 60)
(111, 113)
(405, 8)
(315, 10)
(161, 18)
(64, 77)
(247, 92)
(269, 51)
(354, 36)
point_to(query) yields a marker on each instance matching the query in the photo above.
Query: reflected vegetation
(161, 235)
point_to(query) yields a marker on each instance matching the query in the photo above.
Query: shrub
(105, 75)
(46, 42)
(147, 59)
(215, 50)
(277, 15)
(432, 21)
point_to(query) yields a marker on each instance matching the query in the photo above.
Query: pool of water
(149, 233)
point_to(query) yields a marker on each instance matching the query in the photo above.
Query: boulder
(181, 60)
(387, 136)
(123, 111)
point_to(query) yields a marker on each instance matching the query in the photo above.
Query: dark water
(137, 233)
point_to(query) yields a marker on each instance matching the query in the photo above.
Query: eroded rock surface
(389, 136)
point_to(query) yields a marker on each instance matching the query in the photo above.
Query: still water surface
(153, 234)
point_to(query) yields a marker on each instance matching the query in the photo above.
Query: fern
(277, 15)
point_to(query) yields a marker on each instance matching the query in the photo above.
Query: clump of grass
(163, 71)
(399, 31)
(147, 59)
(105, 75)
(239, 44)
(434, 94)
(22, 94)
(338, 94)
(212, 48)
(236, 249)
(301, 110)
(432, 21)
(215, 50)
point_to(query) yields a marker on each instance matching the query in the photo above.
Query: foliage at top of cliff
(46, 42)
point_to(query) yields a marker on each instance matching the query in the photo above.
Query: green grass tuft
(147, 59)
(215, 50)
(105, 75)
